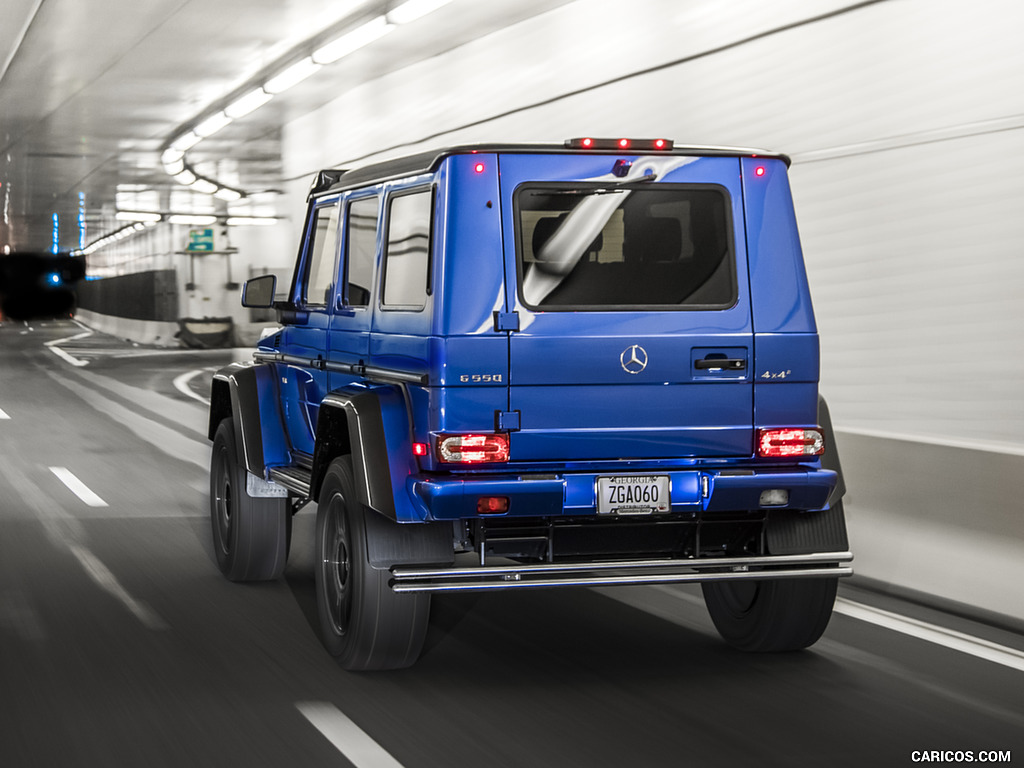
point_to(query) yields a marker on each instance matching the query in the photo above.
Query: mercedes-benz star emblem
(633, 359)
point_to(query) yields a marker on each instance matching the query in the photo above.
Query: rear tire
(363, 623)
(770, 615)
(250, 534)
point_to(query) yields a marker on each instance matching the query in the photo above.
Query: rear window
(636, 246)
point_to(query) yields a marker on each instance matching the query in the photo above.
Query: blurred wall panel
(905, 120)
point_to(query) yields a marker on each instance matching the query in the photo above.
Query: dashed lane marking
(109, 584)
(949, 638)
(77, 487)
(349, 739)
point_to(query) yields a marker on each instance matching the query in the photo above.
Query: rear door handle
(720, 363)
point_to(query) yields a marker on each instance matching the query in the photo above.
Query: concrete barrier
(943, 522)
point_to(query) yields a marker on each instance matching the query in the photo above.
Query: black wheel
(250, 535)
(363, 623)
(765, 616)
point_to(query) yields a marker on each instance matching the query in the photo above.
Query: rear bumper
(663, 571)
(692, 491)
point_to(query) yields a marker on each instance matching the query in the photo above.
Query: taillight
(473, 449)
(789, 443)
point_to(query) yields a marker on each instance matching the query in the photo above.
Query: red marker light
(479, 167)
(759, 171)
(420, 449)
(659, 143)
(587, 143)
(624, 143)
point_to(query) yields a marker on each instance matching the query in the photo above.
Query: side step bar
(811, 566)
(295, 479)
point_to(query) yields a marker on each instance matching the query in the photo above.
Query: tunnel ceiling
(91, 91)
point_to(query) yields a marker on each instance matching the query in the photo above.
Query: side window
(407, 251)
(320, 263)
(360, 249)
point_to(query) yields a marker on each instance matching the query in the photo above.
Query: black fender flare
(830, 459)
(371, 424)
(248, 394)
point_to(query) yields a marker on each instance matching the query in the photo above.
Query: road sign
(200, 240)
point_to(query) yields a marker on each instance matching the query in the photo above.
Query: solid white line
(109, 583)
(349, 739)
(3, 414)
(77, 487)
(949, 638)
(181, 384)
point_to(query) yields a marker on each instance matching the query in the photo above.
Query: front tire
(250, 534)
(770, 615)
(363, 623)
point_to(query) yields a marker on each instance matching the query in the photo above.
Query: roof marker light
(624, 143)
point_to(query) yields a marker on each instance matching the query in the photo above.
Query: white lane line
(949, 638)
(77, 487)
(3, 414)
(52, 346)
(349, 739)
(109, 583)
(181, 384)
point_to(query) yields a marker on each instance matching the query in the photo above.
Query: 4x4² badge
(633, 359)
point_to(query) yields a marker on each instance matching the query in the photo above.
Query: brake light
(641, 144)
(473, 449)
(789, 443)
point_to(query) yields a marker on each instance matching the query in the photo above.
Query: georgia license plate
(632, 494)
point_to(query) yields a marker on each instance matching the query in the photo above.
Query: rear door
(635, 336)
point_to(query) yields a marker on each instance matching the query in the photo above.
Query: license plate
(632, 494)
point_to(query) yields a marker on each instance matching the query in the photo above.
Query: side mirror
(259, 291)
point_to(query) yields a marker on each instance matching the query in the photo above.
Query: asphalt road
(122, 645)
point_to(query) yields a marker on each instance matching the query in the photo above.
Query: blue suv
(525, 366)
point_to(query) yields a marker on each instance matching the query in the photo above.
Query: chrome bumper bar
(812, 566)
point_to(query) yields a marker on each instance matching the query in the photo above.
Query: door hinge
(506, 421)
(506, 321)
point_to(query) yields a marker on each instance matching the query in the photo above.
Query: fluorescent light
(204, 186)
(226, 193)
(414, 9)
(242, 221)
(211, 125)
(295, 74)
(249, 102)
(188, 218)
(137, 216)
(171, 156)
(352, 41)
(173, 169)
(186, 177)
(186, 141)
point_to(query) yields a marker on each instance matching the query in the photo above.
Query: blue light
(56, 233)
(53, 278)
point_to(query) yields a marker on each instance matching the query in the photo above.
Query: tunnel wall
(905, 131)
